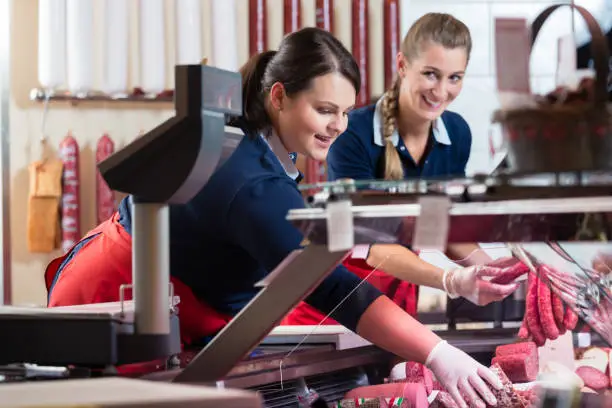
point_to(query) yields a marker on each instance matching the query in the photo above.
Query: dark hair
(302, 56)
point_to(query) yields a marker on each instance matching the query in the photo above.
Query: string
(297, 346)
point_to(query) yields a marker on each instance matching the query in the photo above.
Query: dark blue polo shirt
(235, 232)
(358, 153)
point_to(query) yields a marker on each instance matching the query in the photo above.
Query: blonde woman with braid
(409, 133)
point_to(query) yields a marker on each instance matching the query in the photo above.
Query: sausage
(292, 16)
(105, 197)
(523, 332)
(391, 39)
(258, 30)
(71, 221)
(547, 319)
(511, 274)
(324, 15)
(532, 313)
(558, 312)
(361, 49)
(570, 319)
(593, 378)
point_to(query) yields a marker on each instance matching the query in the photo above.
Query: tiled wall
(478, 99)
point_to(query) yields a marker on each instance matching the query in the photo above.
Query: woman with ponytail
(409, 133)
(235, 232)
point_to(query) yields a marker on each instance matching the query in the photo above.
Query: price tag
(512, 49)
(566, 62)
(560, 351)
(433, 224)
(340, 233)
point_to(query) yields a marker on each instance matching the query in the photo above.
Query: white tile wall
(478, 99)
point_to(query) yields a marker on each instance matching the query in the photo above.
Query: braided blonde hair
(436, 28)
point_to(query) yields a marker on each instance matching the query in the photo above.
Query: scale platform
(98, 335)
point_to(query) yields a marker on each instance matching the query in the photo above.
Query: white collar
(283, 156)
(439, 129)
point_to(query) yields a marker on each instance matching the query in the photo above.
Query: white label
(566, 62)
(512, 49)
(433, 224)
(340, 234)
(560, 351)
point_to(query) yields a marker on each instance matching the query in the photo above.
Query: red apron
(104, 263)
(401, 292)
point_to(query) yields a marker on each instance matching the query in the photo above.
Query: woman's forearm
(402, 263)
(389, 327)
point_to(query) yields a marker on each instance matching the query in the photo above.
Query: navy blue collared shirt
(234, 232)
(358, 153)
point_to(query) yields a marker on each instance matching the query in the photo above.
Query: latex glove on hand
(465, 379)
(470, 284)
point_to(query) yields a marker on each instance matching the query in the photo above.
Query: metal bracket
(246, 330)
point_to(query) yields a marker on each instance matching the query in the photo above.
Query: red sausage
(570, 320)
(547, 319)
(105, 197)
(71, 221)
(258, 30)
(324, 15)
(511, 274)
(558, 312)
(292, 20)
(361, 49)
(391, 39)
(532, 313)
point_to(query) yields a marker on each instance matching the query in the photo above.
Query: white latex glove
(461, 374)
(470, 283)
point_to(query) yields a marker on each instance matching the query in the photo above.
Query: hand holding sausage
(470, 283)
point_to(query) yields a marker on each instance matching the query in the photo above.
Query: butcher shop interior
(486, 261)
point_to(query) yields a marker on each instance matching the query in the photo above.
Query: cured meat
(105, 198)
(570, 320)
(361, 48)
(532, 315)
(443, 400)
(292, 16)
(71, 221)
(411, 372)
(518, 368)
(547, 319)
(593, 378)
(258, 30)
(558, 312)
(506, 397)
(523, 332)
(414, 393)
(525, 347)
(391, 39)
(324, 15)
(511, 274)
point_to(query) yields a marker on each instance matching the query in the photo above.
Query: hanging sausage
(71, 222)
(224, 53)
(324, 15)
(258, 31)
(105, 197)
(51, 43)
(152, 47)
(189, 31)
(391, 39)
(79, 42)
(292, 16)
(115, 78)
(361, 48)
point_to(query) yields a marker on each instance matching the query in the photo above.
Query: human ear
(277, 96)
(401, 65)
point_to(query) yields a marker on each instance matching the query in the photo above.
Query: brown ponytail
(390, 108)
(254, 116)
